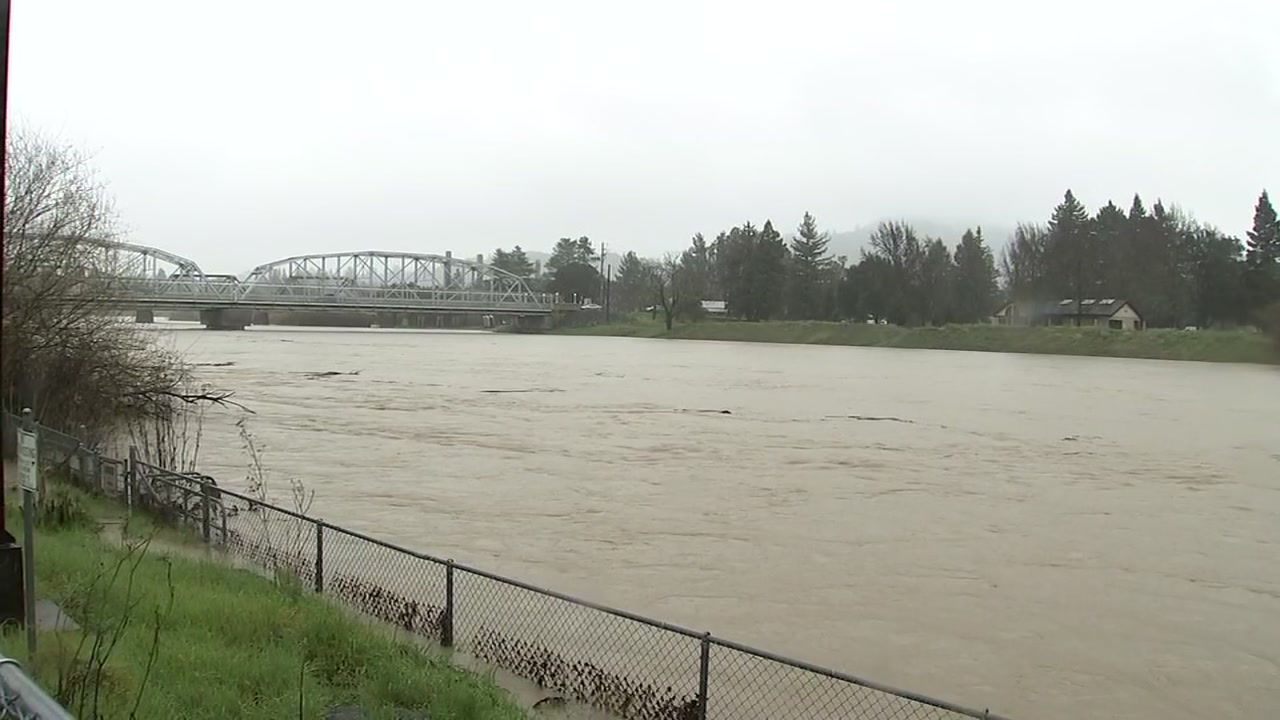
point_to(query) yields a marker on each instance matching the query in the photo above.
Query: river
(1050, 537)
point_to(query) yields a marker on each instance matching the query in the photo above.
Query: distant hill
(850, 243)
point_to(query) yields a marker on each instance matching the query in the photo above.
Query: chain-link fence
(617, 662)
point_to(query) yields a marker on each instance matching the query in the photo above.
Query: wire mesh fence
(617, 662)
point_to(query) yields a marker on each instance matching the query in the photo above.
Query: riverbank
(1241, 346)
(228, 642)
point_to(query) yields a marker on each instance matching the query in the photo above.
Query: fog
(240, 132)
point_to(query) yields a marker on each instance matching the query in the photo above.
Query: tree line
(1175, 270)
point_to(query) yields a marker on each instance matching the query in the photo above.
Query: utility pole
(5, 6)
(604, 249)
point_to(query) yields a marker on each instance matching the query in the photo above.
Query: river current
(1050, 537)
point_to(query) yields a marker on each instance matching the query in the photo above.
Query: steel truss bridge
(368, 281)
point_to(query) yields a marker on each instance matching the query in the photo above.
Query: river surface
(1050, 537)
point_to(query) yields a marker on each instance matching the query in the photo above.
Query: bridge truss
(109, 258)
(364, 281)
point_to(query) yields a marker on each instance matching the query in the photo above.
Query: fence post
(204, 510)
(131, 478)
(28, 536)
(704, 676)
(319, 556)
(83, 453)
(446, 622)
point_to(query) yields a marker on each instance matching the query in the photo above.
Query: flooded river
(1050, 537)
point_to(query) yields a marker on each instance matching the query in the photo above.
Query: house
(714, 308)
(1111, 313)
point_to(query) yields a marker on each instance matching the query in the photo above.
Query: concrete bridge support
(226, 319)
(531, 323)
(144, 317)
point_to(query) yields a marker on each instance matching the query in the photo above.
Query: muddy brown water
(1050, 537)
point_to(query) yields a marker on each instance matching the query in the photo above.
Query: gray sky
(240, 132)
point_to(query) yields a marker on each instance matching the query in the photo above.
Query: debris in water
(871, 418)
(329, 373)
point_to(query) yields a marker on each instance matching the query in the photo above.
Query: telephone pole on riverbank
(12, 575)
(5, 7)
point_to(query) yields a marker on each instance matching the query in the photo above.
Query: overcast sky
(240, 132)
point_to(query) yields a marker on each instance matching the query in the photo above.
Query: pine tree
(631, 291)
(769, 273)
(569, 252)
(515, 262)
(1115, 258)
(1263, 254)
(1072, 257)
(975, 279)
(1264, 238)
(810, 263)
(936, 276)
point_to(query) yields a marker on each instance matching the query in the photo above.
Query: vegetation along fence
(615, 661)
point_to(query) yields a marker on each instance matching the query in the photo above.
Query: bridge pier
(144, 317)
(226, 319)
(530, 323)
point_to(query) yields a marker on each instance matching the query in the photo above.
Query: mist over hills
(851, 243)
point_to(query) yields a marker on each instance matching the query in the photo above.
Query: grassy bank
(231, 644)
(1205, 345)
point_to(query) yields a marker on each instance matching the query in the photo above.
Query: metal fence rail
(22, 699)
(625, 664)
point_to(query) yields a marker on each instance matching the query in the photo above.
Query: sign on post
(28, 455)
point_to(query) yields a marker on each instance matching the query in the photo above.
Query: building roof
(1088, 307)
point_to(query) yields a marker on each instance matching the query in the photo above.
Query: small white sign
(27, 455)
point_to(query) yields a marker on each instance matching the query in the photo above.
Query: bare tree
(664, 278)
(64, 353)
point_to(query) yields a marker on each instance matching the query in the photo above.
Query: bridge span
(136, 277)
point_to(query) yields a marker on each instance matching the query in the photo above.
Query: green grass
(1206, 345)
(233, 644)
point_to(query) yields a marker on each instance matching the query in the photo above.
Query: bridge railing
(211, 292)
(379, 296)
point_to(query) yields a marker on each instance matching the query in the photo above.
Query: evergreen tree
(1216, 287)
(769, 273)
(1264, 238)
(1263, 255)
(515, 262)
(936, 275)
(975, 279)
(569, 251)
(576, 282)
(752, 267)
(1111, 230)
(1072, 256)
(810, 265)
(631, 290)
(695, 274)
